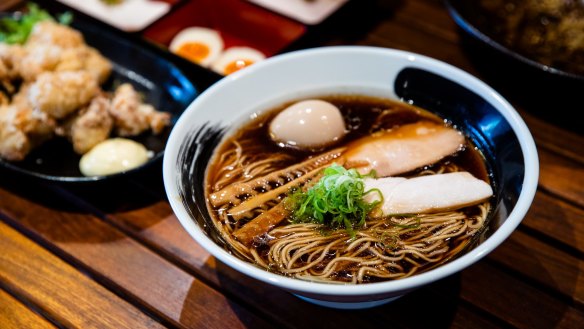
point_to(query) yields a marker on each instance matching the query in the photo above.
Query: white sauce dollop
(308, 124)
(113, 156)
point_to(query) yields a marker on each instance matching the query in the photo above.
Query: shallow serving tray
(167, 81)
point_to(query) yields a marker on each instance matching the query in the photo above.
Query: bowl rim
(529, 184)
(471, 29)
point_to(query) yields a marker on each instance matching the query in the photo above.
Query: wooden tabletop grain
(114, 255)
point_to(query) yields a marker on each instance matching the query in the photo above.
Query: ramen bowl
(485, 117)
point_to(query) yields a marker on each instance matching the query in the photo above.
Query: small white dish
(129, 15)
(307, 12)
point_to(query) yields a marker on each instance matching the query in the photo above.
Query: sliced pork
(403, 149)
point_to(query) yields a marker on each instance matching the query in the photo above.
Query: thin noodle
(387, 248)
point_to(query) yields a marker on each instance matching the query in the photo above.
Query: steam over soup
(399, 192)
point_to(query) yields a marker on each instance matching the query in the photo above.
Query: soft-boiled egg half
(309, 124)
(236, 58)
(198, 44)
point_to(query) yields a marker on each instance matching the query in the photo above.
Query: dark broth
(363, 115)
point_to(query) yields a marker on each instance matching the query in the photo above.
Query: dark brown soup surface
(252, 165)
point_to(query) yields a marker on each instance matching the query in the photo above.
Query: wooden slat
(562, 177)
(518, 303)
(557, 219)
(60, 290)
(169, 235)
(115, 259)
(555, 139)
(405, 38)
(9, 4)
(263, 298)
(15, 315)
(563, 269)
(540, 262)
(428, 18)
(156, 225)
(192, 253)
(440, 304)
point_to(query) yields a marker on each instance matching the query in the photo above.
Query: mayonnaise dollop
(113, 156)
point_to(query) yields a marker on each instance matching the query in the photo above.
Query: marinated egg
(112, 156)
(198, 44)
(236, 58)
(308, 124)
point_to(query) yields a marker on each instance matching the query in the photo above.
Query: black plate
(167, 82)
(519, 78)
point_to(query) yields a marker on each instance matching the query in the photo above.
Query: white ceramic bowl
(476, 109)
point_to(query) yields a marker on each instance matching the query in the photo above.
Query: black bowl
(544, 90)
(167, 81)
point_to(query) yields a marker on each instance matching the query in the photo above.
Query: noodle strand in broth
(390, 247)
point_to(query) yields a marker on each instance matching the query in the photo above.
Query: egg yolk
(237, 65)
(194, 51)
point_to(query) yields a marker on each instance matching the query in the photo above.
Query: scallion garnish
(335, 200)
(15, 30)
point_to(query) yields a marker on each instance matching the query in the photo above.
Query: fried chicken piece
(157, 120)
(41, 58)
(61, 77)
(4, 57)
(10, 56)
(37, 60)
(85, 58)
(125, 109)
(34, 122)
(21, 97)
(4, 100)
(49, 47)
(61, 93)
(21, 129)
(97, 64)
(90, 125)
(4, 71)
(52, 33)
(14, 144)
(131, 116)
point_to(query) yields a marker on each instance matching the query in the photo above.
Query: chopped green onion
(388, 241)
(335, 200)
(15, 30)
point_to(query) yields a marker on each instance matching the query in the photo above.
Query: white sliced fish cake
(427, 194)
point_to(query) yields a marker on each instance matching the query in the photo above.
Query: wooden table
(115, 256)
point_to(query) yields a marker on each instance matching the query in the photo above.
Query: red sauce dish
(237, 22)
